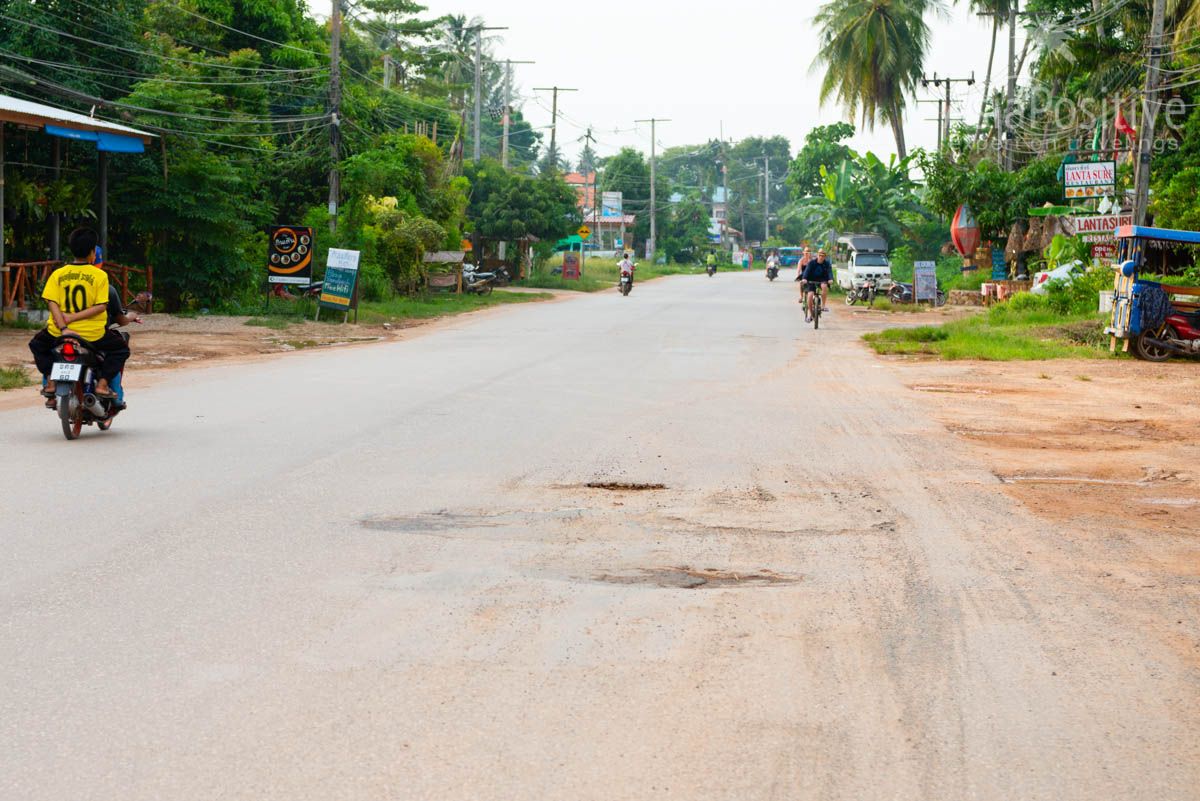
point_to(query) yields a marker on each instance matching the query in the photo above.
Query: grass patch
(440, 304)
(1029, 332)
(884, 304)
(277, 323)
(14, 378)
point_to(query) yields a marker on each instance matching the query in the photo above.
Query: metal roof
(1160, 234)
(26, 112)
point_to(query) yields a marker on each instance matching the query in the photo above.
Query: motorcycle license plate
(65, 372)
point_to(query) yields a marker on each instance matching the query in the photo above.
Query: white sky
(699, 63)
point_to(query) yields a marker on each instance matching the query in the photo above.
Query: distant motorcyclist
(627, 267)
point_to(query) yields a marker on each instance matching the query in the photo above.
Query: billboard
(289, 255)
(611, 204)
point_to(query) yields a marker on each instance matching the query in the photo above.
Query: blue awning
(1159, 234)
(105, 141)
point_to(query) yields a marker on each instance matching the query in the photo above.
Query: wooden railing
(21, 281)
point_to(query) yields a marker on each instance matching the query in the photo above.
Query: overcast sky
(744, 63)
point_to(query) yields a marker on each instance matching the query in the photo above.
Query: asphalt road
(379, 573)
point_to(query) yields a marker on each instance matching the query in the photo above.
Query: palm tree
(873, 52)
(997, 10)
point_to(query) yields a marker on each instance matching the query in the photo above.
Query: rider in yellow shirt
(77, 295)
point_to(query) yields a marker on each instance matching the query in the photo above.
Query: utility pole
(944, 128)
(387, 71)
(479, 83)
(653, 243)
(766, 199)
(1011, 92)
(938, 120)
(554, 116)
(335, 104)
(507, 108)
(1150, 108)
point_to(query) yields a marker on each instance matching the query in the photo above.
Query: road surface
(380, 573)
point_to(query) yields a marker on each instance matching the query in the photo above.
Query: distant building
(585, 189)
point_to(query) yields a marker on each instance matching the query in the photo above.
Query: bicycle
(817, 306)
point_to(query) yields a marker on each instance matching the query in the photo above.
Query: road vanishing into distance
(671, 546)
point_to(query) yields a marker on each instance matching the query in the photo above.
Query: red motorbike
(1179, 335)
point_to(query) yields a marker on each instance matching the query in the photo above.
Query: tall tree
(873, 52)
(822, 148)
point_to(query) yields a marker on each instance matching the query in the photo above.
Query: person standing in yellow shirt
(77, 295)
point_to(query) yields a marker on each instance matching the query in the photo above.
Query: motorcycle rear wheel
(72, 424)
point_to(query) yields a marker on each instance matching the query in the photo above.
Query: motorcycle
(772, 272)
(626, 285)
(866, 293)
(903, 293)
(75, 373)
(503, 277)
(711, 270)
(1179, 335)
(478, 282)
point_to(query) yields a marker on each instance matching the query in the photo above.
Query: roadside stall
(19, 281)
(1154, 320)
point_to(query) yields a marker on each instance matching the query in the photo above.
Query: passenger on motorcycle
(817, 273)
(627, 267)
(77, 295)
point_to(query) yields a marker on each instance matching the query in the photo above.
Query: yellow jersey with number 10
(75, 287)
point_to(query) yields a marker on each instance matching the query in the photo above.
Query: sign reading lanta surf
(1096, 227)
(1089, 179)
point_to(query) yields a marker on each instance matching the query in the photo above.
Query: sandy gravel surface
(676, 546)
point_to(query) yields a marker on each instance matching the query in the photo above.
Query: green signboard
(341, 275)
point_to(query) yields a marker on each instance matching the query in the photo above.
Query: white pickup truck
(858, 257)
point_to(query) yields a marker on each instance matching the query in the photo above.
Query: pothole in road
(688, 578)
(624, 486)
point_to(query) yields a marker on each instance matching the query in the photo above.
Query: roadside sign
(999, 265)
(1089, 180)
(584, 232)
(289, 255)
(341, 279)
(924, 281)
(570, 268)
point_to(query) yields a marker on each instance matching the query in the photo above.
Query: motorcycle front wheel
(851, 298)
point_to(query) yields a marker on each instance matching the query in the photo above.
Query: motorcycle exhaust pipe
(93, 405)
(1171, 346)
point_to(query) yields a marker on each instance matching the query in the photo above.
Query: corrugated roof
(26, 112)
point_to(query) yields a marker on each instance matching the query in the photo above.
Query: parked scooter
(866, 293)
(1179, 335)
(478, 282)
(903, 293)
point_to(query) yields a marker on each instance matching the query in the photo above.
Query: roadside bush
(1081, 295)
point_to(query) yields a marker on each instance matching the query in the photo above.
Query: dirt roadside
(1106, 452)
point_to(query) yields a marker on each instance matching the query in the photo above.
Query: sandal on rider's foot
(107, 394)
(51, 402)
